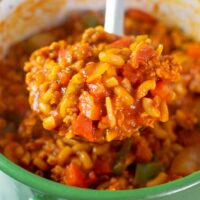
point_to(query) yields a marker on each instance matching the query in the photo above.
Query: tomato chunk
(125, 42)
(89, 107)
(75, 176)
(143, 53)
(163, 91)
(97, 90)
(83, 126)
(64, 77)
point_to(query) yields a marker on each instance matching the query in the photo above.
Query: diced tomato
(64, 77)
(125, 42)
(89, 107)
(97, 90)
(143, 53)
(84, 127)
(193, 50)
(141, 15)
(75, 176)
(163, 91)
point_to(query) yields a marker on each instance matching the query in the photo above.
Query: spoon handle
(114, 17)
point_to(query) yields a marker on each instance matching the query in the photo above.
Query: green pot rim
(55, 189)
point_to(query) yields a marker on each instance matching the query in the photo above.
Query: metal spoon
(114, 17)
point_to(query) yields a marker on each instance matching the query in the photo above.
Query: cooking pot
(33, 15)
(18, 184)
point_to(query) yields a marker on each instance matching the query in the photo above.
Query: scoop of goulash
(103, 88)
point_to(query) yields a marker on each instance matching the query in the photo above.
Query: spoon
(114, 17)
